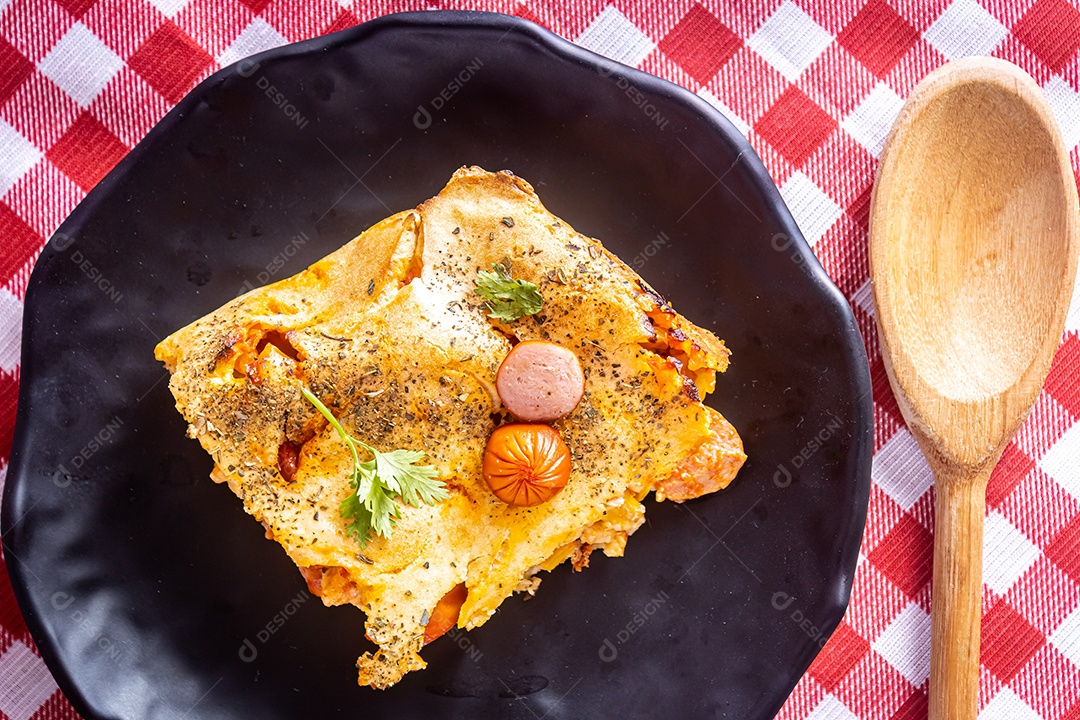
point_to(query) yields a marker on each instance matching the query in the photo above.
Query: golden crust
(389, 333)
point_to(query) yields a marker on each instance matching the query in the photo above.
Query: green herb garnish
(507, 299)
(382, 483)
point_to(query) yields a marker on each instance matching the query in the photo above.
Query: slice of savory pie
(400, 335)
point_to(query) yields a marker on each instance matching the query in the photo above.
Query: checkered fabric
(815, 86)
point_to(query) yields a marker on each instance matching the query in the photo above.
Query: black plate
(152, 595)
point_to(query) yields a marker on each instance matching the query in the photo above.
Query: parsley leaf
(415, 483)
(507, 299)
(373, 505)
(360, 527)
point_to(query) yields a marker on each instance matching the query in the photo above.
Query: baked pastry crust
(388, 332)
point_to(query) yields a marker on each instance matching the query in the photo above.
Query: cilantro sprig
(382, 483)
(507, 299)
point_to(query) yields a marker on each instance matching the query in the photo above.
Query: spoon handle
(956, 609)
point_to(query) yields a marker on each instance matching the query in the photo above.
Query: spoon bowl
(974, 233)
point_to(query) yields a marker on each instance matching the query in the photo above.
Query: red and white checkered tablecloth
(815, 86)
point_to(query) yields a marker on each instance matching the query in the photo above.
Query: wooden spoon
(974, 232)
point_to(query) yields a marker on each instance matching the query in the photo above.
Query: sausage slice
(540, 381)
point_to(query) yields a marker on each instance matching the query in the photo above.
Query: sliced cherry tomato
(446, 612)
(288, 460)
(313, 577)
(526, 465)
